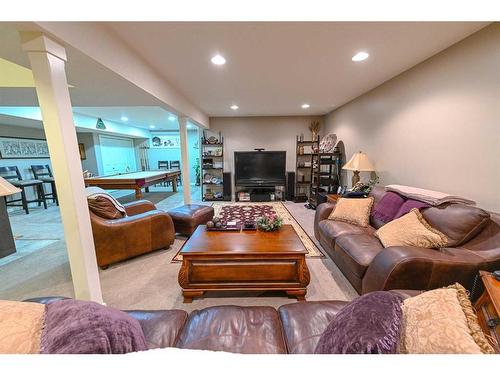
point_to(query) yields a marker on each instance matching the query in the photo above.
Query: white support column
(186, 187)
(47, 59)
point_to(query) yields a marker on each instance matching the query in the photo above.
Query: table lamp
(7, 244)
(358, 163)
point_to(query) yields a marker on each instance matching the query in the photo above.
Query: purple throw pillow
(388, 206)
(408, 206)
(80, 327)
(368, 325)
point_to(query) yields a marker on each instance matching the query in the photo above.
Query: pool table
(135, 180)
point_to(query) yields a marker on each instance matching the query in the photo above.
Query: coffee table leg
(299, 294)
(190, 294)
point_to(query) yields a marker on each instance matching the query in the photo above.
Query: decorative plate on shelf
(212, 140)
(328, 143)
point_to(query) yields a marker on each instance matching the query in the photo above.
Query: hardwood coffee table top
(283, 241)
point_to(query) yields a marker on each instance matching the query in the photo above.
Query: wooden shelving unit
(325, 175)
(305, 151)
(212, 162)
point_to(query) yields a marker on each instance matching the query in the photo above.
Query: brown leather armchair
(142, 230)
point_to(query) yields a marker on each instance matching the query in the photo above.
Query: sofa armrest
(139, 207)
(407, 267)
(322, 212)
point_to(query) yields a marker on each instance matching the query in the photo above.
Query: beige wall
(436, 126)
(271, 133)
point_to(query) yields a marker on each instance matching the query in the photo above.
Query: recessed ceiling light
(171, 118)
(218, 60)
(234, 107)
(152, 126)
(124, 118)
(305, 105)
(360, 56)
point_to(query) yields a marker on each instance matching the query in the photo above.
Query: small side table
(488, 309)
(333, 198)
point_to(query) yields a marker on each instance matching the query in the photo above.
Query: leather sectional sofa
(294, 328)
(474, 244)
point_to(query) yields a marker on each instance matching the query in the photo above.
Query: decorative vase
(314, 136)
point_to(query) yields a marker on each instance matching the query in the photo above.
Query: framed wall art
(166, 141)
(23, 148)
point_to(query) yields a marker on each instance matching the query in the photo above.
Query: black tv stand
(260, 193)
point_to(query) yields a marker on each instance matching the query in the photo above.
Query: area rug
(242, 211)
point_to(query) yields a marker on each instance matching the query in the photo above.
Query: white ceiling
(141, 117)
(94, 85)
(274, 67)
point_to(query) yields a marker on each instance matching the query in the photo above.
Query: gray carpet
(150, 281)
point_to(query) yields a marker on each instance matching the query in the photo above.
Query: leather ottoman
(186, 218)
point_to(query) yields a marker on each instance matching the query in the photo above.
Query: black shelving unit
(212, 162)
(325, 176)
(305, 151)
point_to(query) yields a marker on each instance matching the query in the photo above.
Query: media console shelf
(259, 193)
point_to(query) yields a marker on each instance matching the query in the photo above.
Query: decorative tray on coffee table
(226, 227)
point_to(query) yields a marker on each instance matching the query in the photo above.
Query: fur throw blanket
(67, 327)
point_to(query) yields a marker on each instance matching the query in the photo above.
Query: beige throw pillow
(353, 210)
(411, 230)
(442, 321)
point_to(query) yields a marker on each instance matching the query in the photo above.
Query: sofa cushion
(353, 211)
(408, 206)
(411, 230)
(234, 329)
(386, 209)
(83, 327)
(103, 207)
(357, 251)
(459, 222)
(442, 321)
(304, 323)
(368, 325)
(332, 229)
(161, 327)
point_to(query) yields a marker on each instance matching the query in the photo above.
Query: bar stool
(14, 176)
(176, 164)
(163, 164)
(44, 174)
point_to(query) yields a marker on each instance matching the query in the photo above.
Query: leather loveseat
(294, 328)
(473, 244)
(142, 230)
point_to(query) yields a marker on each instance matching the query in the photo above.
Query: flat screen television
(256, 168)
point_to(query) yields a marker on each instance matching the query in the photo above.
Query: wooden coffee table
(247, 260)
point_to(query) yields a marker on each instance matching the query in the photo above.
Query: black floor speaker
(226, 187)
(290, 186)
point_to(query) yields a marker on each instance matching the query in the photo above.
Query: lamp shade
(6, 188)
(359, 162)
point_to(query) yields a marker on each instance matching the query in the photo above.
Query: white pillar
(47, 59)
(186, 187)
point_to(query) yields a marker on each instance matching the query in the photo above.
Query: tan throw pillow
(353, 210)
(21, 326)
(442, 321)
(411, 230)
